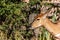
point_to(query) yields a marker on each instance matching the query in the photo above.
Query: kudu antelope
(41, 19)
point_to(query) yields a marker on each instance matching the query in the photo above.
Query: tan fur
(51, 27)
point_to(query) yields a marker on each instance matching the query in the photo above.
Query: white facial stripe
(39, 25)
(57, 35)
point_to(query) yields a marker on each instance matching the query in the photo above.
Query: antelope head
(39, 20)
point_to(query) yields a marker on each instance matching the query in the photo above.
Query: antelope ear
(36, 16)
(44, 16)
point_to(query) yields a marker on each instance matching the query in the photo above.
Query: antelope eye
(38, 19)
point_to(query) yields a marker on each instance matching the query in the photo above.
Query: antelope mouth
(34, 27)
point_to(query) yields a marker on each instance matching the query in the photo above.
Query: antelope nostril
(31, 28)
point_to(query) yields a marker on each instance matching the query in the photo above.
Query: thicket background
(14, 20)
